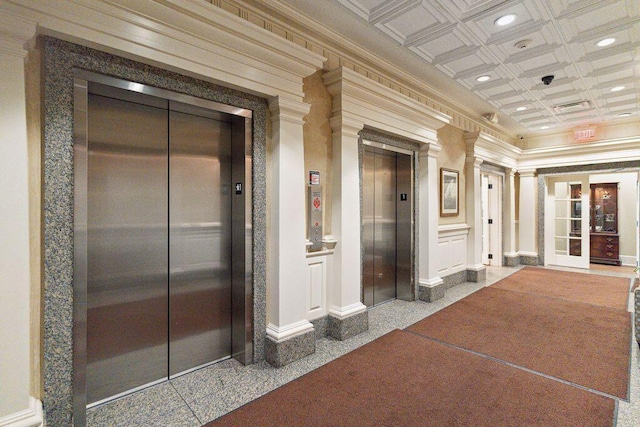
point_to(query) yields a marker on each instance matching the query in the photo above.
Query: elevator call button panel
(315, 217)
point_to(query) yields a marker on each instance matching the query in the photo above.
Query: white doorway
(491, 202)
(566, 221)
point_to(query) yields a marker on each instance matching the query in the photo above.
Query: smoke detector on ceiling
(523, 44)
(491, 117)
(572, 107)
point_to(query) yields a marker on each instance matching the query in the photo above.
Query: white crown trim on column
(185, 36)
(15, 31)
(284, 109)
(30, 417)
(493, 150)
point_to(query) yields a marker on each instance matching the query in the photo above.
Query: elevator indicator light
(238, 188)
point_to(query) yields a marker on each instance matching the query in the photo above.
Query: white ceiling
(458, 39)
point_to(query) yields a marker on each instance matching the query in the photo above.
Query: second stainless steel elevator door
(200, 238)
(387, 226)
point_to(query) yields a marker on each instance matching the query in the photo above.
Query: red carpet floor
(524, 352)
(402, 379)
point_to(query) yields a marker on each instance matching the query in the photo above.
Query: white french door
(491, 198)
(567, 221)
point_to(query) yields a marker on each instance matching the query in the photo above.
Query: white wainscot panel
(452, 245)
(318, 269)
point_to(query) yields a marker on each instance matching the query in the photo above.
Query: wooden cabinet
(603, 224)
(605, 248)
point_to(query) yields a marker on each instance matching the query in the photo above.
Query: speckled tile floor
(201, 396)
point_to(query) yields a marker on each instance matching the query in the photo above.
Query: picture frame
(449, 192)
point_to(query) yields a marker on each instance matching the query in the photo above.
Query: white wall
(627, 205)
(14, 238)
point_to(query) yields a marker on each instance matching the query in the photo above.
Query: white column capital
(287, 109)
(346, 126)
(15, 32)
(474, 162)
(527, 172)
(431, 150)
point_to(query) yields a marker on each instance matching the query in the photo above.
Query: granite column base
(529, 260)
(341, 329)
(511, 261)
(477, 275)
(279, 354)
(431, 293)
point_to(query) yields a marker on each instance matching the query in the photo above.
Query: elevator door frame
(404, 258)
(242, 236)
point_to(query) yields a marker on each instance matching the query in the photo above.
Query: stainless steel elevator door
(200, 239)
(387, 226)
(127, 246)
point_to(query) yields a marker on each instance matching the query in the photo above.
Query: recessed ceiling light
(624, 115)
(521, 108)
(544, 128)
(505, 20)
(483, 78)
(617, 88)
(606, 42)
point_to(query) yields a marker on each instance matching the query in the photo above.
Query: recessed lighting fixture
(505, 20)
(606, 42)
(483, 78)
(521, 108)
(624, 115)
(544, 128)
(617, 88)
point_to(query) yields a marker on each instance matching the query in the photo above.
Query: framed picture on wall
(449, 192)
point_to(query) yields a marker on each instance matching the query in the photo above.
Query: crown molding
(377, 106)
(195, 38)
(492, 150)
(607, 151)
(461, 116)
(15, 32)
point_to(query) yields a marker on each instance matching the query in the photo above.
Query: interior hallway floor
(203, 395)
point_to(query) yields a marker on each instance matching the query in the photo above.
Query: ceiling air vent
(572, 107)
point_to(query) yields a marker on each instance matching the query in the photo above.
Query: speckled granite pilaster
(454, 279)
(511, 261)
(59, 61)
(637, 312)
(282, 353)
(529, 260)
(341, 329)
(431, 294)
(477, 275)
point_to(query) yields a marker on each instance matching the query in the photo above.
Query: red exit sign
(586, 134)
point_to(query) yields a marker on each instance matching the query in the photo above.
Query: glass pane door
(566, 222)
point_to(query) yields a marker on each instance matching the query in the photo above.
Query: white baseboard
(628, 260)
(30, 417)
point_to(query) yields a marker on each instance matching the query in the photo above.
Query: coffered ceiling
(461, 40)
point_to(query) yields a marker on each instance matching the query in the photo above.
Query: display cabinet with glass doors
(603, 224)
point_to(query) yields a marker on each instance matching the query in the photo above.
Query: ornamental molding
(184, 36)
(361, 102)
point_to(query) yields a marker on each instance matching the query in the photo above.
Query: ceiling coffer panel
(462, 39)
